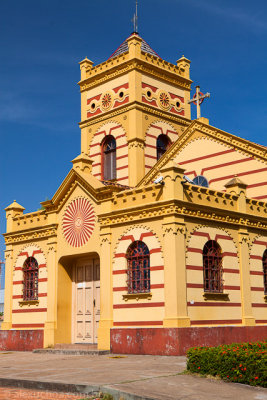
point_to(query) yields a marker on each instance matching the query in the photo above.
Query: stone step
(74, 352)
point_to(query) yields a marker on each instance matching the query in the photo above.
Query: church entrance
(86, 300)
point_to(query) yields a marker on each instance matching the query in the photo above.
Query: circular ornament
(106, 101)
(78, 222)
(200, 101)
(164, 100)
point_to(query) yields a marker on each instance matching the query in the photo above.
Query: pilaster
(247, 314)
(7, 323)
(176, 314)
(50, 323)
(106, 295)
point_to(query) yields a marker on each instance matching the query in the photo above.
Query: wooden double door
(86, 300)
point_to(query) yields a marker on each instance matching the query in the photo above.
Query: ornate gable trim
(242, 145)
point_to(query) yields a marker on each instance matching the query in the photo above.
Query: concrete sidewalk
(128, 377)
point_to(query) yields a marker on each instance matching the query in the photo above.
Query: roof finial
(135, 18)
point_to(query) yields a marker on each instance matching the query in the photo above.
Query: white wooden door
(86, 307)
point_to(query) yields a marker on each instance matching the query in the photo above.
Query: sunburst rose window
(164, 100)
(78, 222)
(106, 101)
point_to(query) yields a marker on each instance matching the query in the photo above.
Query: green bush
(238, 362)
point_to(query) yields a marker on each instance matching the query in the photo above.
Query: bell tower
(134, 97)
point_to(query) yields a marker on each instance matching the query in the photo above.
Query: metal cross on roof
(198, 99)
(135, 18)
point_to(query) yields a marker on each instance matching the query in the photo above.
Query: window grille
(163, 143)
(138, 261)
(212, 266)
(264, 265)
(109, 158)
(30, 271)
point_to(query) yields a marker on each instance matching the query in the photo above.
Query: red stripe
(17, 282)
(259, 305)
(227, 287)
(123, 167)
(193, 250)
(128, 237)
(122, 146)
(150, 145)
(223, 237)
(225, 164)
(24, 253)
(139, 305)
(42, 280)
(260, 197)
(27, 325)
(257, 289)
(157, 268)
(217, 322)
(120, 289)
(256, 273)
(208, 156)
(146, 234)
(119, 255)
(194, 268)
(202, 234)
(153, 136)
(157, 250)
(228, 254)
(149, 156)
(121, 179)
(261, 321)
(213, 304)
(256, 257)
(240, 174)
(36, 252)
(257, 185)
(26, 310)
(231, 270)
(42, 265)
(96, 154)
(194, 285)
(120, 271)
(124, 156)
(125, 86)
(260, 242)
(136, 323)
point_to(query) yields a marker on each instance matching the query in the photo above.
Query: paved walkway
(128, 377)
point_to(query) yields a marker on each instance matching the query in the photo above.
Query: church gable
(219, 163)
(218, 156)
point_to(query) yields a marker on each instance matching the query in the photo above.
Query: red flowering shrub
(237, 362)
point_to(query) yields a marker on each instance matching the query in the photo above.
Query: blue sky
(41, 43)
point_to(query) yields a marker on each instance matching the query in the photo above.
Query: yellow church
(156, 240)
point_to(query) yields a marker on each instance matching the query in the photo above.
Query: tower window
(264, 265)
(163, 143)
(109, 158)
(212, 266)
(138, 260)
(30, 281)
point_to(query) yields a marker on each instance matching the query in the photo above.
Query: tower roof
(123, 48)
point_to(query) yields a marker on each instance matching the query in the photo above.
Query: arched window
(212, 265)
(30, 275)
(163, 142)
(109, 158)
(264, 265)
(138, 261)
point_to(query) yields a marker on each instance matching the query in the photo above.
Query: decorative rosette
(78, 222)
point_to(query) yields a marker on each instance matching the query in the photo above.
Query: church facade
(156, 239)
